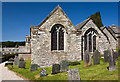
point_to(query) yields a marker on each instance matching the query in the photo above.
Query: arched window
(57, 37)
(90, 40)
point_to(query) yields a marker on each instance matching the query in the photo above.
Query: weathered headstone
(106, 56)
(115, 55)
(11, 60)
(16, 61)
(22, 63)
(64, 65)
(87, 59)
(112, 64)
(96, 57)
(73, 74)
(34, 67)
(55, 68)
(43, 72)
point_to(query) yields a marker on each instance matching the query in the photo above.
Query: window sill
(57, 51)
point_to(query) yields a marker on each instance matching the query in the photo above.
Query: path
(6, 74)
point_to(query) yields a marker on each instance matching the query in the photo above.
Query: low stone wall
(24, 49)
(25, 56)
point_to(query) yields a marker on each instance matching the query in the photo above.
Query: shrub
(8, 56)
(73, 63)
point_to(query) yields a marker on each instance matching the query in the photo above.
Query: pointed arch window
(57, 37)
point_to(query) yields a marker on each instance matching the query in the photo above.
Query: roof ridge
(83, 21)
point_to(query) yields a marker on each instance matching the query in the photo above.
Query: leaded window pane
(94, 43)
(54, 39)
(61, 39)
(90, 43)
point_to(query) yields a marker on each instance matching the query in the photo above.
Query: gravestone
(11, 60)
(96, 57)
(112, 64)
(55, 68)
(64, 65)
(106, 56)
(73, 74)
(87, 59)
(115, 55)
(43, 72)
(34, 67)
(16, 60)
(22, 63)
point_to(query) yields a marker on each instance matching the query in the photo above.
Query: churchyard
(84, 70)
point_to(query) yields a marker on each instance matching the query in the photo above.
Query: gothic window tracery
(90, 40)
(57, 37)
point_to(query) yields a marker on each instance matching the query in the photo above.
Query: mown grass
(94, 72)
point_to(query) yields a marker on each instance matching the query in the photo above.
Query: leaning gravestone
(55, 68)
(22, 63)
(112, 64)
(34, 67)
(73, 74)
(106, 56)
(64, 65)
(43, 72)
(96, 57)
(16, 60)
(87, 59)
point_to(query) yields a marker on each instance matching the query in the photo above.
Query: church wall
(41, 42)
(113, 42)
(102, 42)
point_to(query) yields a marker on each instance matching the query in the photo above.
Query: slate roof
(79, 26)
(115, 29)
(102, 28)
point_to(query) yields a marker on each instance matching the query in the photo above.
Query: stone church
(56, 39)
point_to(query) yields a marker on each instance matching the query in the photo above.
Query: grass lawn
(94, 72)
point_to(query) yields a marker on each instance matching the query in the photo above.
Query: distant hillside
(13, 44)
(97, 19)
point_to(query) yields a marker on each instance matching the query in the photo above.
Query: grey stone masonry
(73, 41)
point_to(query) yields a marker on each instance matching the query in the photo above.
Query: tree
(97, 19)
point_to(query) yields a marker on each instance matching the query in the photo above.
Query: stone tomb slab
(55, 68)
(96, 57)
(64, 65)
(73, 74)
(87, 59)
(34, 67)
(112, 64)
(106, 56)
(43, 73)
